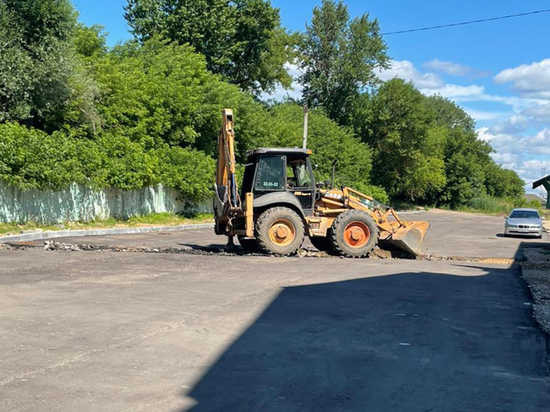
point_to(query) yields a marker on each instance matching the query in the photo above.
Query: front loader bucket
(410, 237)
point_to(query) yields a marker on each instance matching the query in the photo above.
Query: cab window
(299, 175)
(270, 174)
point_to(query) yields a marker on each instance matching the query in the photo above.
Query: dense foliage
(242, 40)
(148, 111)
(35, 60)
(426, 149)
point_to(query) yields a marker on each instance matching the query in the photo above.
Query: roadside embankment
(536, 272)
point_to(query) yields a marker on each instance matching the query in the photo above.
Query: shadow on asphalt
(525, 245)
(406, 342)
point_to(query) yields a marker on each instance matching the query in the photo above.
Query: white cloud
(431, 84)
(538, 113)
(454, 91)
(526, 154)
(454, 69)
(537, 144)
(484, 115)
(505, 158)
(404, 69)
(532, 170)
(530, 80)
(514, 124)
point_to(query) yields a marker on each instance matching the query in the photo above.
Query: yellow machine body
(404, 235)
(235, 217)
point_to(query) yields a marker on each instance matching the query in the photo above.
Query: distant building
(545, 182)
(530, 197)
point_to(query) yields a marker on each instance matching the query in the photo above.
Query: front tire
(354, 234)
(280, 231)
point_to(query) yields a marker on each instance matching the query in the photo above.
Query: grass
(155, 219)
(488, 205)
(495, 206)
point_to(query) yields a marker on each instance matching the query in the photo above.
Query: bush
(488, 204)
(190, 171)
(32, 159)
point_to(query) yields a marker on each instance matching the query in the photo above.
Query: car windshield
(524, 214)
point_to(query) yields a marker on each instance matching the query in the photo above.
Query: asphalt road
(450, 234)
(105, 331)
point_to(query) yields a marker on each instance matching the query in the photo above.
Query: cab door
(300, 182)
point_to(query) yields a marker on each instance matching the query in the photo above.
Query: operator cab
(271, 170)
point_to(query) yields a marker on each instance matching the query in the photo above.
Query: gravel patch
(536, 272)
(377, 253)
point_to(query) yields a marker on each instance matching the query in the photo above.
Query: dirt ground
(96, 330)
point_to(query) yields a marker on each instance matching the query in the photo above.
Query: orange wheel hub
(357, 234)
(282, 232)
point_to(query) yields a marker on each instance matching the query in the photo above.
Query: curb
(29, 237)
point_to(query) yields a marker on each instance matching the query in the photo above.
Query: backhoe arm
(226, 179)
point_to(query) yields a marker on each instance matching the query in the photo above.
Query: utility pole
(304, 142)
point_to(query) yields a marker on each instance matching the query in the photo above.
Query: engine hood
(517, 222)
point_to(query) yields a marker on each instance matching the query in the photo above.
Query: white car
(524, 222)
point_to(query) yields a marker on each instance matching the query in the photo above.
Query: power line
(464, 23)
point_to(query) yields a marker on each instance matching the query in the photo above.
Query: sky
(499, 71)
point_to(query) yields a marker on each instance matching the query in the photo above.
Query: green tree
(35, 62)
(242, 40)
(90, 41)
(339, 58)
(503, 183)
(159, 92)
(466, 157)
(408, 146)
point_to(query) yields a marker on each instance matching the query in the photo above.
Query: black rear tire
(354, 223)
(249, 245)
(322, 243)
(285, 241)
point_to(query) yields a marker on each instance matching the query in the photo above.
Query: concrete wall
(78, 203)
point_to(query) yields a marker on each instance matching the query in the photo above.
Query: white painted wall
(79, 203)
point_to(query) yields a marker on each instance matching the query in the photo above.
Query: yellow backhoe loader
(279, 203)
